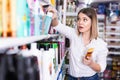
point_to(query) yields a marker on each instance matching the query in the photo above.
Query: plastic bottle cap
(55, 45)
(33, 45)
(49, 14)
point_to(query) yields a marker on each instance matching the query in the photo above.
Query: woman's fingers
(53, 10)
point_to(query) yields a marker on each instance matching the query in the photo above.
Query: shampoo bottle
(22, 18)
(0, 18)
(36, 18)
(47, 64)
(47, 22)
(52, 52)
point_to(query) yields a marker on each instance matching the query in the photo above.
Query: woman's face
(83, 23)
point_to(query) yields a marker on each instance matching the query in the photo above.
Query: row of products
(112, 38)
(114, 49)
(19, 67)
(17, 19)
(101, 26)
(71, 7)
(112, 71)
(38, 61)
(71, 21)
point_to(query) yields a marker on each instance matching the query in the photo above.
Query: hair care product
(0, 18)
(47, 22)
(89, 53)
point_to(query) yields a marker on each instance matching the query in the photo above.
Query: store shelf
(111, 33)
(10, 42)
(114, 46)
(112, 39)
(44, 2)
(60, 65)
(101, 16)
(71, 14)
(117, 27)
(116, 53)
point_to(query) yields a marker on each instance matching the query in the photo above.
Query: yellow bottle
(9, 18)
(0, 17)
(89, 53)
(53, 2)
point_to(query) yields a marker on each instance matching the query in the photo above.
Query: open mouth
(80, 27)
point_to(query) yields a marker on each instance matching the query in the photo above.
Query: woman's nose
(80, 21)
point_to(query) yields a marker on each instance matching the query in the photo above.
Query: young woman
(83, 38)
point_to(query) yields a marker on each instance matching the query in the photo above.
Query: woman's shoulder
(99, 42)
(100, 45)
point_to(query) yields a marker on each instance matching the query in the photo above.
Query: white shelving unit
(10, 42)
(113, 39)
(71, 14)
(101, 25)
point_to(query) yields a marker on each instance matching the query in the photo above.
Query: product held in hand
(89, 53)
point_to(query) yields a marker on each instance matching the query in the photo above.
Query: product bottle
(41, 49)
(52, 2)
(24, 51)
(11, 66)
(13, 18)
(0, 18)
(29, 70)
(47, 22)
(36, 18)
(2, 67)
(36, 55)
(22, 18)
(13, 50)
(89, 53)
(20, 67)
(9, 18)
(55, 46)
(52, 51)
(47, 64)
(6, 17)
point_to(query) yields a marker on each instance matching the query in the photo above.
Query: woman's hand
(53, 10)
(54, 17)
(87, 61)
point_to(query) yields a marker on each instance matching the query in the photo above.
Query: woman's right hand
(53, 10)
(54, 17)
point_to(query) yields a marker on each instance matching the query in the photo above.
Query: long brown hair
(91, 13)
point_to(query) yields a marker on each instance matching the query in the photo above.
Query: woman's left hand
(87, 61)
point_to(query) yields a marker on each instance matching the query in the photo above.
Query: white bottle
(24, 51)
(47, 64)
(41, 49)
(69, 7)
(73, 7)
(13, 50)
(36, 18)
(53, 59)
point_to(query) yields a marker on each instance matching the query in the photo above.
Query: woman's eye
(85, 20)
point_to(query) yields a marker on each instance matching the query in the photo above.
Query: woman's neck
(86, 38)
